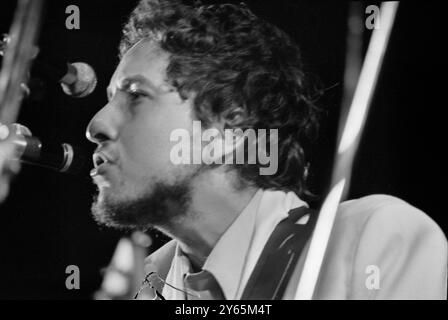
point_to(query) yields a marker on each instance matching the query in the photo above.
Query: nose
(103, 126)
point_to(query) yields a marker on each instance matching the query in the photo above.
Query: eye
(136, 95)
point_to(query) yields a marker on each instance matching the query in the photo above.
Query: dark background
(45, 224)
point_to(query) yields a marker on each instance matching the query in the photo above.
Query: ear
(222, 147)
(219, 148)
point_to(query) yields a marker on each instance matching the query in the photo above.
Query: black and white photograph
(222, 150)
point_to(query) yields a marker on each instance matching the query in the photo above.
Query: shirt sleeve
(401, 254)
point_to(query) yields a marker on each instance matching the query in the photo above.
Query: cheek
(146, 148)
(146, 138)
(143, 150)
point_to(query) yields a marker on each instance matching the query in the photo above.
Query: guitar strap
(276, 263)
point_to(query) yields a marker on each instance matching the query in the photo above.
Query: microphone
(77, 79)
(60, 157)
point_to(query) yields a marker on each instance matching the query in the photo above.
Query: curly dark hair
(244, 71)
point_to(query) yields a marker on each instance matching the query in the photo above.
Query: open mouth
(99, 159)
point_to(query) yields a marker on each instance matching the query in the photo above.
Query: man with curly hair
(225, 67)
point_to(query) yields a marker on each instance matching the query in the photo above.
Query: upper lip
(100, 157)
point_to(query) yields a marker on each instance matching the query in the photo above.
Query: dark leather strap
(274, 267)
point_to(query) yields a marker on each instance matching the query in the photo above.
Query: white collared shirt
(379, 231)
(235, 255)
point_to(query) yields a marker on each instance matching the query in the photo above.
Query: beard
(162, 206)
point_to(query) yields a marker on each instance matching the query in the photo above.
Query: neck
(215, 204)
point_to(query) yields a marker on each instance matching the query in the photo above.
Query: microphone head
(85, 81)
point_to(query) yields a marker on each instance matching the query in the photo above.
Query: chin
(160, 204)
(109, 211)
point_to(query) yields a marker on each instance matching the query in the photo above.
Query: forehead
(146, 59)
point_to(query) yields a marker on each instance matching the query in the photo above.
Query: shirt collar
(234, 256)
(228, 256)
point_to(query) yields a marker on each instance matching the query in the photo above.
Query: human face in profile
(137, 183)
